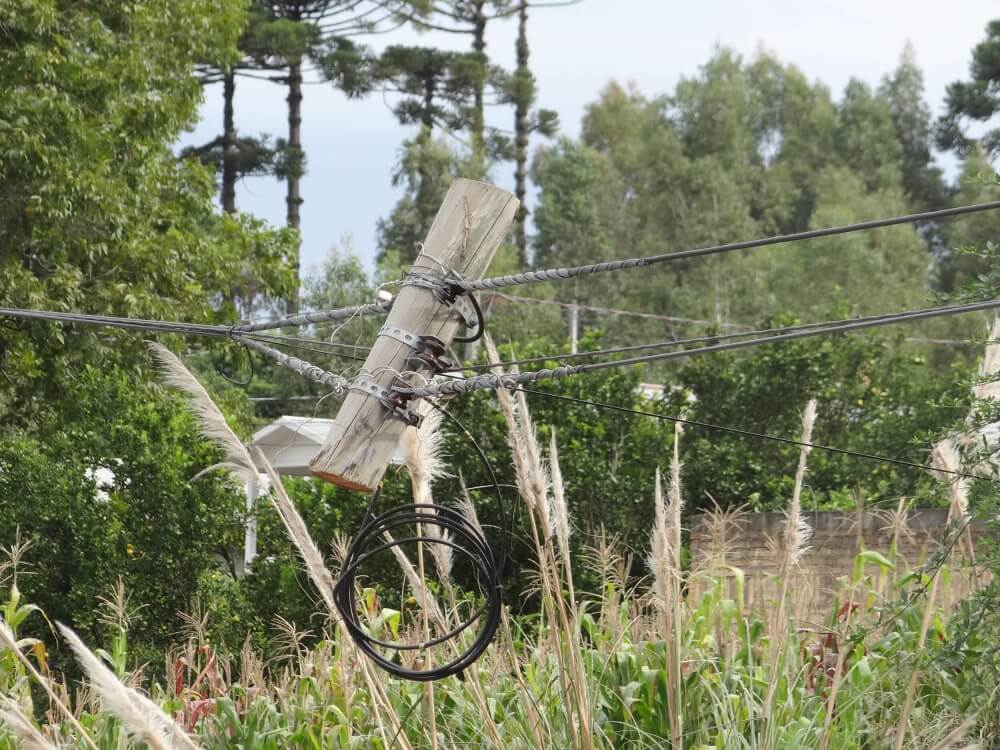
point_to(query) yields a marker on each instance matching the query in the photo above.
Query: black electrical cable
(559, 274)
(241, 383)
(371, 540)
(756, 435)
(667, 343)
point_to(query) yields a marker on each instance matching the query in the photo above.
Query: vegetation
(614, 634)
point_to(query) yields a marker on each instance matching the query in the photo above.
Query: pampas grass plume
(24, 728)
(142, 718)
(211, 421)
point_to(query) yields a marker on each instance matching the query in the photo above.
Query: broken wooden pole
(468, 228)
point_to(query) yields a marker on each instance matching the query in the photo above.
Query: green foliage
(976, 99)
(98, 215)
(151, 526)
(874, 396)
(743, 149)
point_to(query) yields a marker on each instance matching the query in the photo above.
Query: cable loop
(466, 538)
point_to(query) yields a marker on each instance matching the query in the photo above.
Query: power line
(491, 381)
(558, 274)
(751, 434)
(614, 311)
(565, 356)
(318, 316)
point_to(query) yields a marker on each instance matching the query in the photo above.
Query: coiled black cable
(466, 539)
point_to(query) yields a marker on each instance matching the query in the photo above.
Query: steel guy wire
(320, 316)
(336, 382)
(558, 274)
(491, 381)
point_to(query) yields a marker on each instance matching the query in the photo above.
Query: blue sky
(352, 146)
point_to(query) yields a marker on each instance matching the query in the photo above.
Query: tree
(903, 90)
(435, 88)
(231, 155)
(520, 90)
(468, 17)
(965, 256)
(290, 35)
(97, 215)
(425, 170)
(866, 137)
(977, 99)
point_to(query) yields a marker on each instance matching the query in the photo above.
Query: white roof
(290, 443)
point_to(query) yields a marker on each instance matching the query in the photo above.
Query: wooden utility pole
(472, 221)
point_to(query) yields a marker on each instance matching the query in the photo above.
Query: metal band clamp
(394, 401)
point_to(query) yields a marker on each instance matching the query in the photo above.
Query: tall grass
(659, 663)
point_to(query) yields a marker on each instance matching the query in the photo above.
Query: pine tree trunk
(478, 106)
(522, 102)
(295, 165)
(228, 144)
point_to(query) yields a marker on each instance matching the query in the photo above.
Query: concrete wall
(752, 542)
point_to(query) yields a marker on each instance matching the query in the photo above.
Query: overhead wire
(560, 274)
(752, 434)
(491, 381)
(665, 343)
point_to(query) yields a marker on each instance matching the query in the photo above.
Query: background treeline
(100, 214)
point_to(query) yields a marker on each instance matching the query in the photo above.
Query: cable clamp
(463, 306)
(394, 400)
(401, 335)
(430, 354)
(428, 351)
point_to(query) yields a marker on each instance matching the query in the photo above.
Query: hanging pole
(472, 221)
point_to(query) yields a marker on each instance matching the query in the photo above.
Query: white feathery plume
(468, 509)
(422, 449)
(676, 501)
(142, 718)
(659, 560)
(536, 477)
(8, 641)
(23, 728)
(797, 529)
(946, 456)
(211, 421)
(528, 468)
(299, 534)
(989, 368)
(560, 510)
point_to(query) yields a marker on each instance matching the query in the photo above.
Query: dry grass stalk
(794, 540)
(944, 456)
(422, 449)
(211, 421)
(665, 563)
(8, 641)
(560, 510)
(141, 717)
(533, 482)
(23, 727)
(299, 534)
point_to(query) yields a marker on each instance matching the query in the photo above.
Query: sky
(352, 146)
